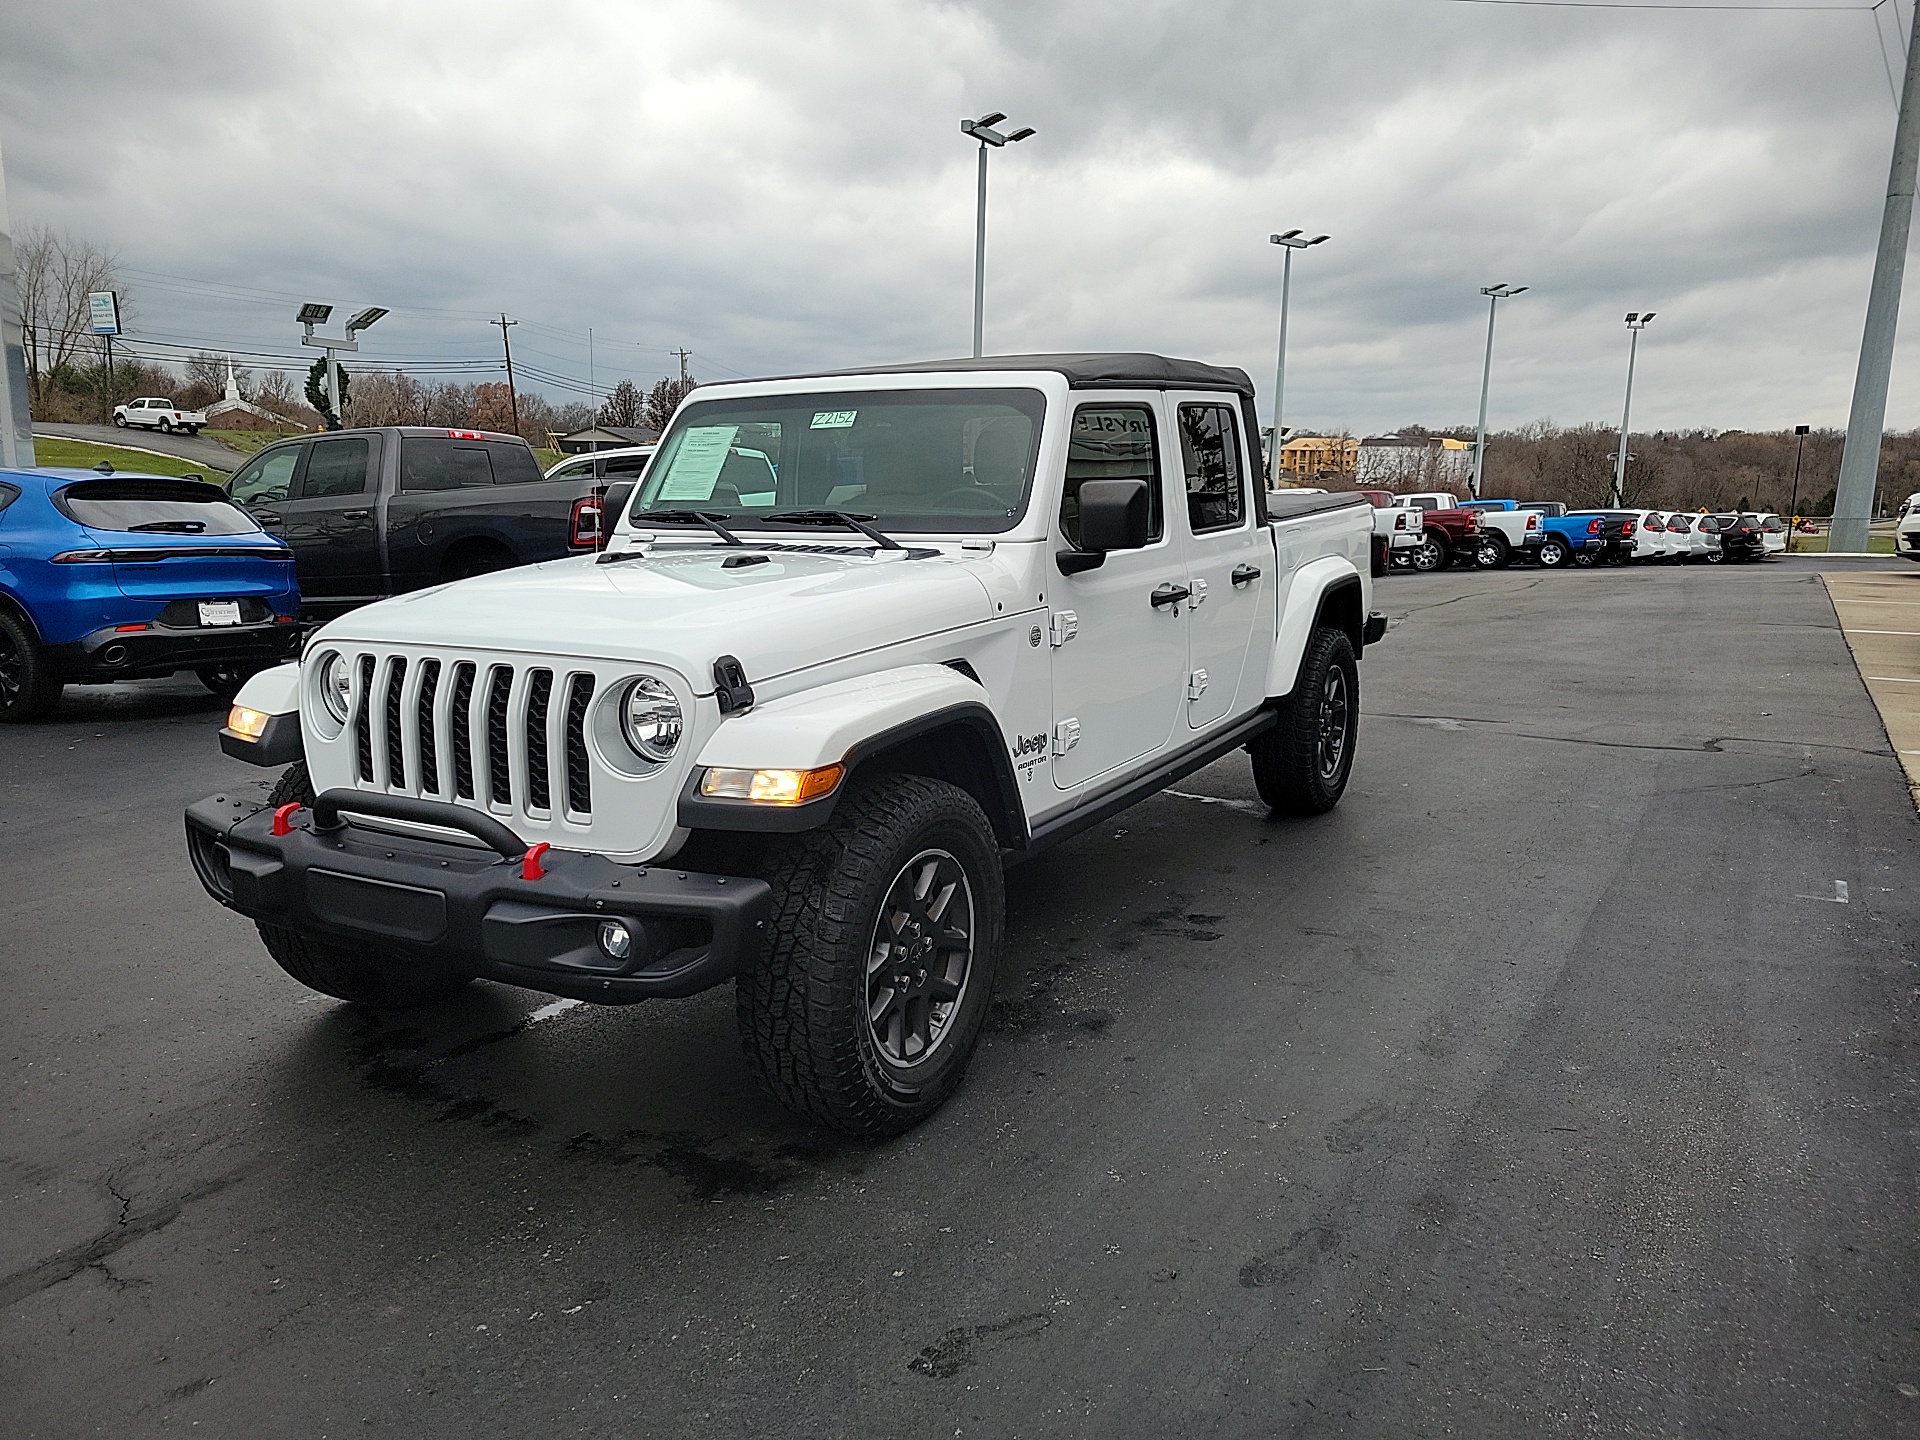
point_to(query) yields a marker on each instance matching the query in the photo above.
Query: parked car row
(1432, 530)
(108, 576)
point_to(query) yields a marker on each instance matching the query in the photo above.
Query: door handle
(1166, 594)
(266, 517)
(1245, 574)
(363, 514)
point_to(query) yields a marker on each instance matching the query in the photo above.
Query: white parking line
(1893, 679)
(1883, 632)
(547, 1012)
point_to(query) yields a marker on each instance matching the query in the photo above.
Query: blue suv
(108, 576)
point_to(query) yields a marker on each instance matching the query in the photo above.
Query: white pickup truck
(151, 412)
(858, 642)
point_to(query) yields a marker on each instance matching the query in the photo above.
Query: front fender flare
(1314, 585)
(854, 723)
(275, 693)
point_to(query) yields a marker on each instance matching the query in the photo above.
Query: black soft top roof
(1115, 370)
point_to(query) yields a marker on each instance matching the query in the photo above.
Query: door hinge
(1199, 596)
(1196, 684)
(1065, 626)
(1066, 735)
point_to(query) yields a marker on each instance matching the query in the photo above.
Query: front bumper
(437, 899)
(112, 654)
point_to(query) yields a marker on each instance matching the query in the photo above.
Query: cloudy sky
(779, 187)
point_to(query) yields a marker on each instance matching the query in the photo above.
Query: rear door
(329, 520)
(1230, 581)
(1119, 660)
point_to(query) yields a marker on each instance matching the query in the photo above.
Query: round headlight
(650, 719)
(336, 686)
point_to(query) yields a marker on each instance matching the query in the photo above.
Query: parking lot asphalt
(1561, 1082)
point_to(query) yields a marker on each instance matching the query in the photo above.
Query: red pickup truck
(1448, 535)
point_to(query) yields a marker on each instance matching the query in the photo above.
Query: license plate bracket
(219, 612)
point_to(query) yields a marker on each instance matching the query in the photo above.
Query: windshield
(920, 461)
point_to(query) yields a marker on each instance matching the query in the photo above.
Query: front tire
(864, 1010)
(1301, 766)
(121, 421)
(28, 688)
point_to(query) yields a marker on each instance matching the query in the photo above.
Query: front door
(1229, 575)
(1118, 681)
(329, 520)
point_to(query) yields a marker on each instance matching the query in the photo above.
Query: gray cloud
(782, 187)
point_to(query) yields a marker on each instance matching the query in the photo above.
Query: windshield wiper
(708, 518)
(175, 527)
(837, 517)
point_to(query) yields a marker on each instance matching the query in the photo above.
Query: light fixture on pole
(1636, 322)
(1290, 242)
(1793, 505)
(312, 314)
(1495, 294)
(983, 131)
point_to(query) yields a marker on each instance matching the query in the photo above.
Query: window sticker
(834, 419)
(696, 464)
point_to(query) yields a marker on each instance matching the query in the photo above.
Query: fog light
(250, 723)
(616, 939)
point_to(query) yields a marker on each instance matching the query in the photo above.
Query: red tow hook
(283, 819)
(530, 868)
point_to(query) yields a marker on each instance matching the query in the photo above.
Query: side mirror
(1113, 516)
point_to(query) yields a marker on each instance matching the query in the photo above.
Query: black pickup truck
(377, 512)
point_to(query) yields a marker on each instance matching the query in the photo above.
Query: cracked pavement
(1547, 1088)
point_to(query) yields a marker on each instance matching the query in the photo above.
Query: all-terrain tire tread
(1286, 768)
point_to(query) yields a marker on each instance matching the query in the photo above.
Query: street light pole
(983, 131)
(1495, 294)
(313, 314)
(1793, 505)
(1636, 322)
(1289, 242)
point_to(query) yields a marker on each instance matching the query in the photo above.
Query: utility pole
(1291, 242)
(685, 355)
(1860, 461)
(983, 131)
(1495, 294)
(1636, 322)
(1793, 505)
(593, 398)
(513, 398)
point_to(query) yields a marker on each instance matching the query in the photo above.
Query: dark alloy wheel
(1493, 553)
(1301, 766)
(864, 1009)
(1555, 554)
(1585, 559)
(1716, 555)
(920, 959)
(1429, 555)
(28, 689)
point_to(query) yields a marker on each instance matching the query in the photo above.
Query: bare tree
(57, 273)
(664, 399)
(623, 406)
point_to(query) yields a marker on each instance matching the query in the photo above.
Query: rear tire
(1493, 553)
(362, 975)
(1584, 559)
(864, 1009)
(1555, 553)
(477, 560)
(225, 680)
(166, 426)
(1429, 555)
(1301, 766)
(28, 688)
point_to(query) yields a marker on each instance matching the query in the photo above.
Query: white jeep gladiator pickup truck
(858, 642)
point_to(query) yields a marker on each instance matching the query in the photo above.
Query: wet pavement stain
(960, 1347)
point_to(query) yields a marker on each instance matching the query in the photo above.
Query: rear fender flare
(1324, 591)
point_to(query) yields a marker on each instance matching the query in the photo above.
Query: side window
(267, 478)
(1210, 452)
(1111, 442)
(434, 464)
(336, 467)
(513, 464)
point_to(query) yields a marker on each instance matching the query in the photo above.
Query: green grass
(51, 453)
(549, 458)
(1817, 545)
(247, 441)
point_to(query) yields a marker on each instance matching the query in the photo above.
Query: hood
(684, 609)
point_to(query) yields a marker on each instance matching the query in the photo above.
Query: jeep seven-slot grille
(527, 744)
(462, 714)
(499, 786)
(579, 781)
